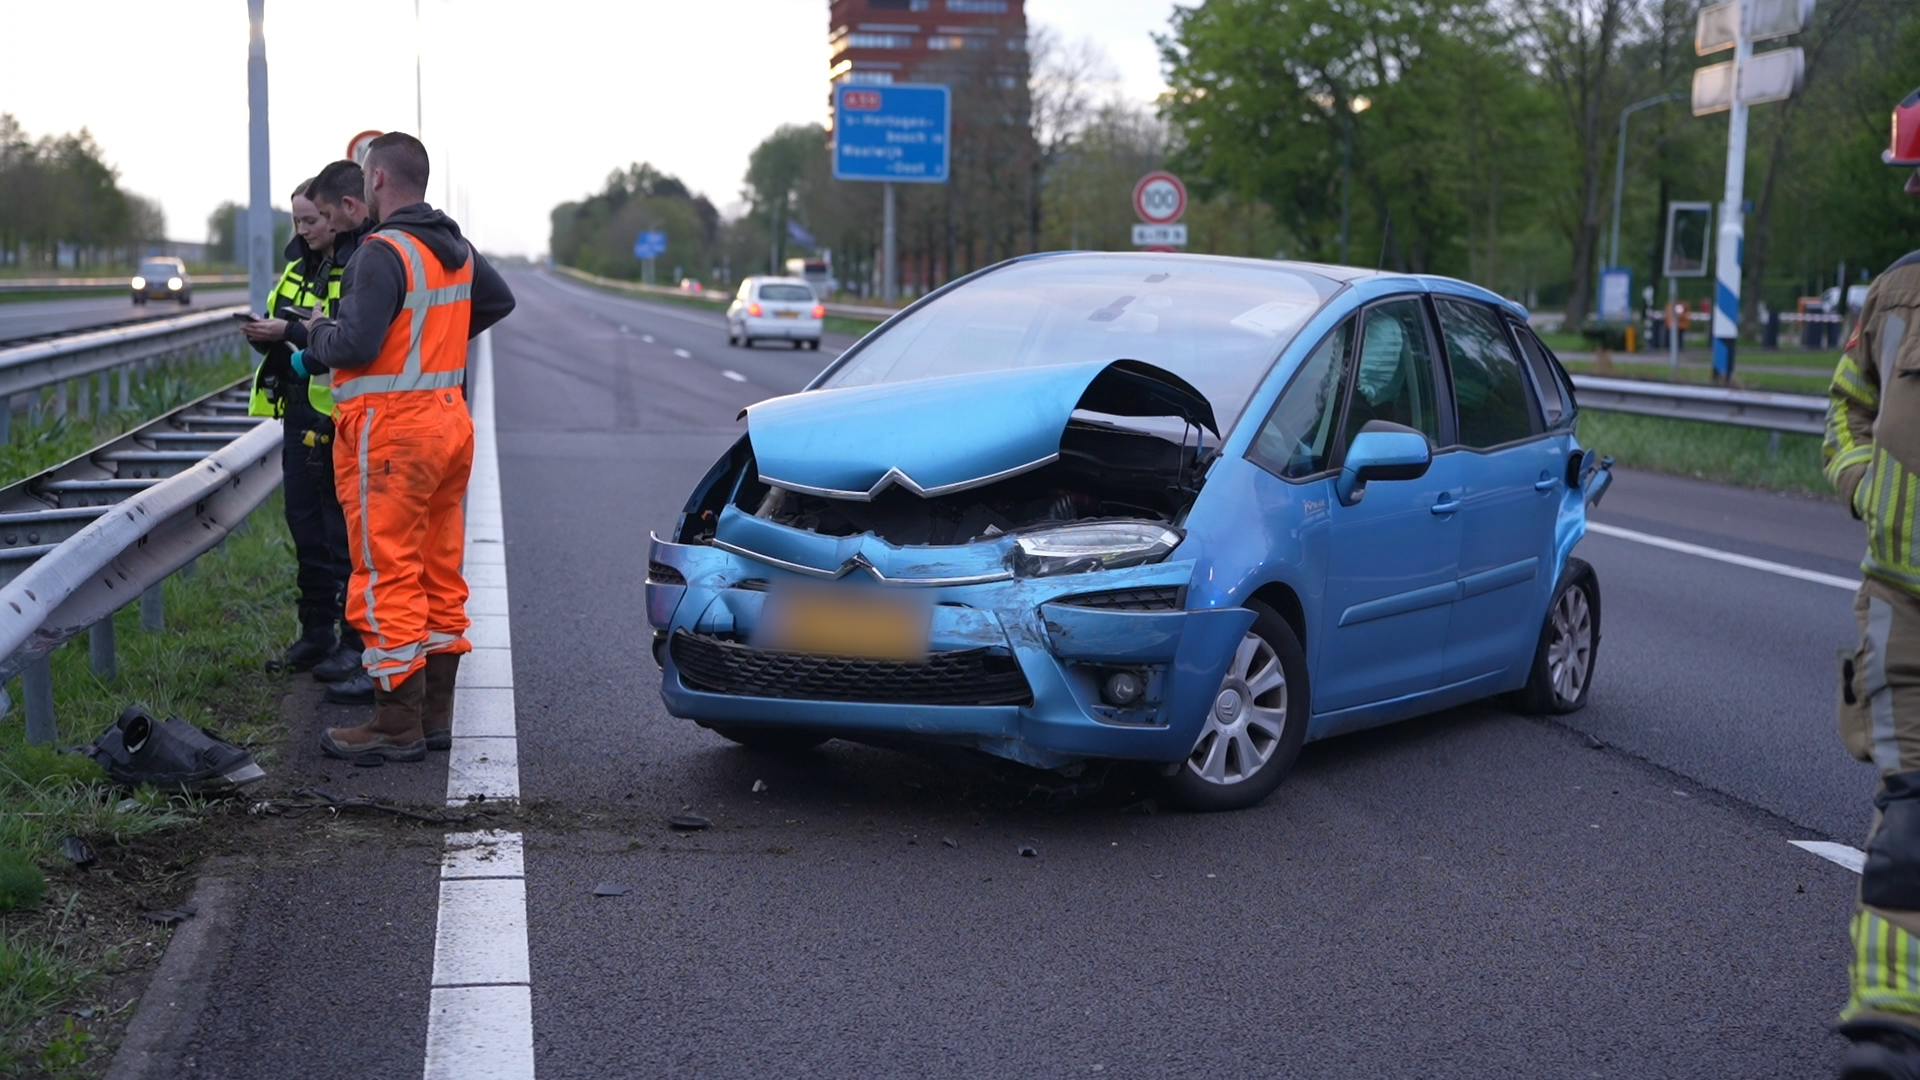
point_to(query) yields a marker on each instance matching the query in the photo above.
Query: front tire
(1564, 660)
(771, 740)
(1256, 722)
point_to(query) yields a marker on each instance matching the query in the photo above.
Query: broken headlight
(1103, 545)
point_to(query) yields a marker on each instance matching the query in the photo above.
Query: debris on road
(759, 786)
(78, 852)
(169, 916)
(1029, 852)
(949, 841)
(608, 888)
(171, 755)
(688, 823)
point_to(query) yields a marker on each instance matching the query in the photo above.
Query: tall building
(935, 41)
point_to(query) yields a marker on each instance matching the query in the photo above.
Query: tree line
(1474, 138)
(57, 193)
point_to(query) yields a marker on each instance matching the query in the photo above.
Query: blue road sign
(650, 245)
(898, 133)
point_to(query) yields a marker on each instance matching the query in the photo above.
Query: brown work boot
(392, 735)
(436, 716)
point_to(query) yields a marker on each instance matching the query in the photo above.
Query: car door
(1512, 479)
(1393, 554)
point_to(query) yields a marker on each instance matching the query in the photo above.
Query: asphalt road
(31, 318)
(1468, 895)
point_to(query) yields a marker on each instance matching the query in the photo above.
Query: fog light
(1122, 688)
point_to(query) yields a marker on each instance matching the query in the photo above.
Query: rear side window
(1297, 439)
(792, 294)
(1489, 388)
(1553, 403)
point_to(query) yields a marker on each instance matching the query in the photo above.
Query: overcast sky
(527, 102)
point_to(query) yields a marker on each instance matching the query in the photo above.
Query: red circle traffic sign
(1160, 198)
(357, 146)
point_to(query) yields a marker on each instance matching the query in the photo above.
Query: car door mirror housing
(1382, 451)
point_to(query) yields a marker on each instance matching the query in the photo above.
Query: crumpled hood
(933, 436)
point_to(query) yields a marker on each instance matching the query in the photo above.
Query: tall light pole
(1726, 293)
(259, 182)
(1620, 169)
(1355, 107)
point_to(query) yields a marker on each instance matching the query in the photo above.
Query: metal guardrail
(93, 535)
(95, 284)
(71, 359)
(718, 299)
(1793, 414)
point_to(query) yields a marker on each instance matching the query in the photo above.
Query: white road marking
(683, 354)
(648, 338)
(1728, 557)
(480, 1007)
(1850, 857)
(625, 329)
(734, 375)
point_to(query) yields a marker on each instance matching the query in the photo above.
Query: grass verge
(37, 446)
(59, 954)
(1717, 452)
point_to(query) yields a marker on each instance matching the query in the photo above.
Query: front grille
(662, 574)
(1155, 598)
(964, 677)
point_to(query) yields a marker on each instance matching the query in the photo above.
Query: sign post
(892, 134)
(1159, 200)
(648, 246)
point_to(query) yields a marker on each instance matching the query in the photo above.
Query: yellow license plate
(786, 314)
(837, 622)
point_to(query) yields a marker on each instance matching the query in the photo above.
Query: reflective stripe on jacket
(1872, 446)
(426, 345)
(294, 290)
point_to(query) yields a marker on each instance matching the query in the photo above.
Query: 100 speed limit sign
(1159, 198)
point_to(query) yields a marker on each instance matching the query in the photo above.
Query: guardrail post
(126, 386)
(100, 649)
(153, 608)
(106, 392)
(38, 679)
(60, 398)
(6, 420)
(83, 398)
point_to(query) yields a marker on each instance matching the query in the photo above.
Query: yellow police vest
(293, 290)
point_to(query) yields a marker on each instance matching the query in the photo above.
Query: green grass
(1717, 452)
(37, 446)
(223, 622)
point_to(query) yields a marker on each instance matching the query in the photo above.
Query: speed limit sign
(358, 145)
(1159, 198)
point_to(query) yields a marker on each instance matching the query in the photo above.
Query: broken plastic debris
(688, 823)
(949, 841)
(172, 755)
(168, 916)
(759, 786)
(608, 888)
(1027, 851)
(78, 852)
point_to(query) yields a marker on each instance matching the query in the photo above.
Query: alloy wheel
(1570, 649)
(1247, 718)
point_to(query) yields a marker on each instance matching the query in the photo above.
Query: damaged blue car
(1178, 509)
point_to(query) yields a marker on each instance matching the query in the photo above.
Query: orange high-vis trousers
(401, 464)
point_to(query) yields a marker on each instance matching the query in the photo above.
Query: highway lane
(1467, 895)
(29, 318)
(1473, 893)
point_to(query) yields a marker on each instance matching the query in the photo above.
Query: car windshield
(157, 269)
(1217, 323)
(791, 293)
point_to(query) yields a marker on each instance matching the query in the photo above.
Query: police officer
(307, 286)
(1872, 454)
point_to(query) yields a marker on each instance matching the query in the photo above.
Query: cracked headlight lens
(1100, 545)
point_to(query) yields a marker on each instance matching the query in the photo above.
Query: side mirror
(1382, 451)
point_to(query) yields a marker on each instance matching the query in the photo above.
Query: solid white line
(480, 1006)
(683, 354)
(1728, 557)
(1850, 857)
(734, 375)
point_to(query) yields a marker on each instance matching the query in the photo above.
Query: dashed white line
(648, 338)
(1850, 857)
(683, 354)
(734, 375)
(480, 1006)
(1728, 557)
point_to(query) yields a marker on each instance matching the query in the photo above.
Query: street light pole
(1726, 299)
(1354, 107)
(1620, 169)
(259, 186)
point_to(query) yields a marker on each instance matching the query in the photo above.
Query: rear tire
(1239, 758)
(1569, 647)
(797, 344)
(771, 740)
(814, 344)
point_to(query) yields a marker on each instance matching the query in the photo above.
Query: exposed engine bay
(1102, 472)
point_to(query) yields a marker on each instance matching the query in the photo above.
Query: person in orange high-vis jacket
(414, 292)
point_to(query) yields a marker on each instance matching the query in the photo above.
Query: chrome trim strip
(852, 564)
(895, 476)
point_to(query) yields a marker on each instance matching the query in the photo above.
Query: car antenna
(1385, 235)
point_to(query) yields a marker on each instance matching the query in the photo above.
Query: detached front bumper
(1015, 669)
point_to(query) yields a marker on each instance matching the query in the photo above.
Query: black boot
(355, 689)
(341, 665)
(1880, 1051)
(316, 644)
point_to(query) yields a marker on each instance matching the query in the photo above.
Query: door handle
(1545, 483)
(1447, 504)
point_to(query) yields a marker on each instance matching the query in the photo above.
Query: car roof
(762, 279)
(1332, 273)
(162, 259)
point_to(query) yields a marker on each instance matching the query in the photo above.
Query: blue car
(1177, 509)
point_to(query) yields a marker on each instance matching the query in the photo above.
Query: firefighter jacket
(1872, 446)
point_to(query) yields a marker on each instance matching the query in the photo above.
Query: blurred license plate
(786, 314)
(840, 622)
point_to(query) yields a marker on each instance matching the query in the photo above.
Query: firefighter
(305, 406)
(1872, 454)
(414, 293)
